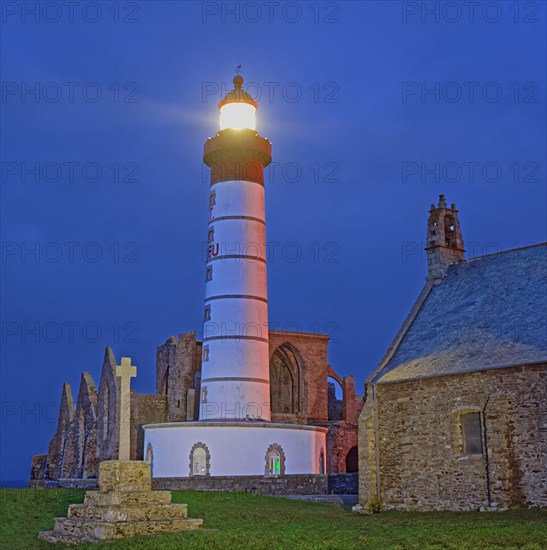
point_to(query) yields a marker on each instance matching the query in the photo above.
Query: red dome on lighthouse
(238, 94)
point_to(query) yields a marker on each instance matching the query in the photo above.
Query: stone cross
(125, 372)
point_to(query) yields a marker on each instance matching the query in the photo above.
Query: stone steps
(122, 498)
(103, 530)
(158, 512)
(56, 538)
(124, 506)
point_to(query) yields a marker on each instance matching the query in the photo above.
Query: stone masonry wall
(57, 445)
(341, 437)
(145, 409)
(80, 457)
(38, 470)
(296, 484)
(422, 465)
(177, 362)
(352, 403)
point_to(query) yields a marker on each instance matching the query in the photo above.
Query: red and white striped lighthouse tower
(235, 382)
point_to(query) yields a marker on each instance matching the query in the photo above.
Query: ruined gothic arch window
(285, 366)
(335, 399)
(275, 460)
(200, 460)
(150, 457)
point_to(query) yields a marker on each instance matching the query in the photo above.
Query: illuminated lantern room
(238, 108)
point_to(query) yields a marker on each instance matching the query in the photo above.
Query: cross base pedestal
(124, 506)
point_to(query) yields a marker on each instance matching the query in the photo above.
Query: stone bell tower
(444, 239)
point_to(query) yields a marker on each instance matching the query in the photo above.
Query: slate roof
(488, 312)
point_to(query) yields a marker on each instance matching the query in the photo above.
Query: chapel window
(472, 433)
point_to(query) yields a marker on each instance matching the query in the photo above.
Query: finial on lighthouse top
(238, 81)
(238, 108)
(238, 94)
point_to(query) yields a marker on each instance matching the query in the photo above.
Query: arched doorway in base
(352, 461)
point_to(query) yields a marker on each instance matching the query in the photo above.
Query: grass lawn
(241, 521)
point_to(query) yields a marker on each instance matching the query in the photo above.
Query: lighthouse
(234, 435)
(235, 363)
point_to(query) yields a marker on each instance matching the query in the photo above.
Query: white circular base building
(187, 449)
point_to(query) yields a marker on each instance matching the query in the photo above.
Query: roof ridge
(401, 333)
(501, 252)
(460, 373)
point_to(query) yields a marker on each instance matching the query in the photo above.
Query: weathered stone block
(161, 512)
(125, 475)
(102, 530)
(123, 498)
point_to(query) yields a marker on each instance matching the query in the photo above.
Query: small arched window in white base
(275, 460)
(199, 461)
(274, 463)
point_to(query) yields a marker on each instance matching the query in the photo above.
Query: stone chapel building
(455, 414)
(87, 433)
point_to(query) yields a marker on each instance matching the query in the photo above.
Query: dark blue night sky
(373, 109)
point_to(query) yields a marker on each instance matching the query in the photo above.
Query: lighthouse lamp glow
(237, 116)
(238, 108)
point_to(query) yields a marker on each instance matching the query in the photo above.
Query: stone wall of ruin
(88, 433)
(177, 363)
(311, 353)
(341, 438)
(145, 409)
